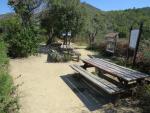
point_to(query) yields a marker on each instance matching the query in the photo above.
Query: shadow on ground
(92, 97)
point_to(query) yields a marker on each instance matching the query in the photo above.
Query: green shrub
(8, 99)
(22, 41)
(101, 47)
(67, 57)
(54, 56)
(3, 56)
(143, 94)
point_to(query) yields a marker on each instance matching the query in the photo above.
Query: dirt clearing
(43, 90)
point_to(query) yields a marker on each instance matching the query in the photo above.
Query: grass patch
(8, 97)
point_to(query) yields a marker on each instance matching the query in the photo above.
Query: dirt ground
(49, 87)
(42, 89)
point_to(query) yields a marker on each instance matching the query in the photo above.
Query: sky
(4, 8)
(105, 5)
(108, 5)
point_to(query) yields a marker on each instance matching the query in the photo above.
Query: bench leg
(123, 83)
(78, 59)
(99, 72)
(85, 66)
(114, 99)
(141, 82)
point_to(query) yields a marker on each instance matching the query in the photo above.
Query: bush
(56, 56)
(122, 47)
(21, 41)
(3, 57)
(8, 99)
(67, 57)
(101, 47)
(143, 94)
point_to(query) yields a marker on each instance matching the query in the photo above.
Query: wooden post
(138, 42)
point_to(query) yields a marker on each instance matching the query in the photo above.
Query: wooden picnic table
(124, 75)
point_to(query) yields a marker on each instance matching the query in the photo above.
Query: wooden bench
(100, 82)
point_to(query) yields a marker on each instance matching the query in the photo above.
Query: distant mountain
(90, 7)
(7, 15)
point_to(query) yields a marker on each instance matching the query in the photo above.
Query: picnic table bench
(102, 83)
(124, 75)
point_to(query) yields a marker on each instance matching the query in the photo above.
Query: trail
(42, 89)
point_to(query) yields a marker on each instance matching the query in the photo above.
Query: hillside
(7, 15)
(122, 20)
(116, 21)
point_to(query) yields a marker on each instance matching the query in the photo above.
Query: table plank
(127, 72)
(110, 67)
(108, 70)
(116, 70)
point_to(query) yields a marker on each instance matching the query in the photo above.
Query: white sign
(63, 34)
(134, 38)
(69, 33)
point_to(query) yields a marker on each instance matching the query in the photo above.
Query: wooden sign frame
(111, 42)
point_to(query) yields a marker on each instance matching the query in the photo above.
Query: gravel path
(43, 90)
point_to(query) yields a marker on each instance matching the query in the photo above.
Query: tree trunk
(90, 40)
(69, 40)
(49, 40)
(92, 37)
(50, 37)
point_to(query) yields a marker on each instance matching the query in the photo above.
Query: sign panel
(134, 38)
(69, 33)
(63, 34)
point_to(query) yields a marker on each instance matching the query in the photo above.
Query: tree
(63, 16)
(25, 9)
(95, 24)
(21, 41)
(19, 31)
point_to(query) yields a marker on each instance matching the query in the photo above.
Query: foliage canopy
(62, 16)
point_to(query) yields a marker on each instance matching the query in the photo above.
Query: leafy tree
(25, 9)
(19, 31)
(94, 25)
(63, 16)
(122, 21)
(21, 41)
